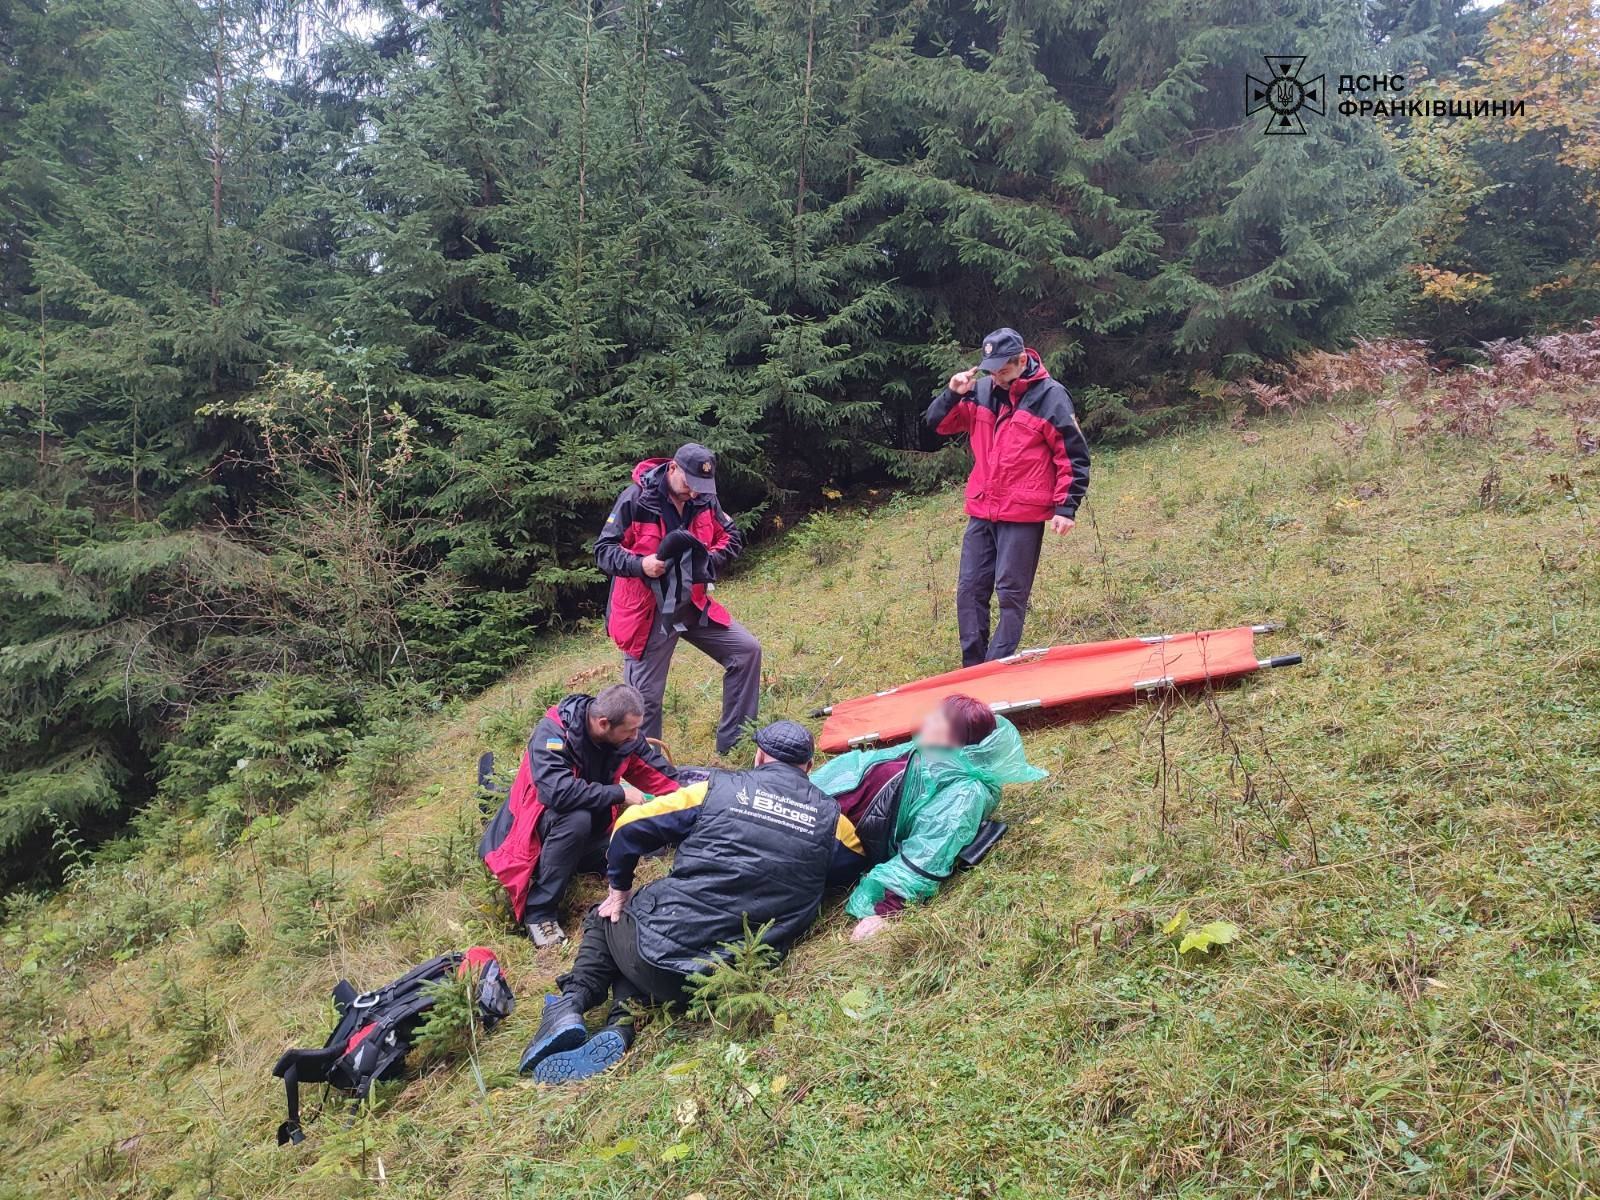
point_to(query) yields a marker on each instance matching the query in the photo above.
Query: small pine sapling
(448, 1028)
(732, 993)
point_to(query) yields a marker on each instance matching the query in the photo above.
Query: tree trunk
(798, 237)
(44, 412)
(805, 110)
(583, 181)
(134, 438)
(216, 176)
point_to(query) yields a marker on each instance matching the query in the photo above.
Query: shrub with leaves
(1367, 370)
(227, 940)
(1473, 402)
(825, 538)
(310, 906)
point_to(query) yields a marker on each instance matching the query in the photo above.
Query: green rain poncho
(945, 797)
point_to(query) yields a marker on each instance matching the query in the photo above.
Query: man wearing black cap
(754, 847)
(1030, 467)
(664, 544)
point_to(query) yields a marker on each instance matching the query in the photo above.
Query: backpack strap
(295, 1065)
(926, 874)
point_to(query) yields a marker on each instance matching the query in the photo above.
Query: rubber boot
(560, 1029)
(600, 1053)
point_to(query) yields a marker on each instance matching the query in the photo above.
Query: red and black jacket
(1030, 459)
(563, 770)
(641, 517)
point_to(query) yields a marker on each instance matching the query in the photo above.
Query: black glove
(678, 543)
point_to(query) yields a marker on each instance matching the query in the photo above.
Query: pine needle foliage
(732, 992)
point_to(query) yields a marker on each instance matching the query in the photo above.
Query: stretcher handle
(1282, 660)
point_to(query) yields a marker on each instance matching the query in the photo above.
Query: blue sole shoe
(559, 1032)
(600, 1053)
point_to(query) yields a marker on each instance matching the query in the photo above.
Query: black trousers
(569, 842)
(608, 962)
(998, 558)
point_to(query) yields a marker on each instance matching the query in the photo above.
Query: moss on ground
(1404, 831)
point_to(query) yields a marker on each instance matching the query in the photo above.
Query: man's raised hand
(654, 567)
(1061, 524)
(963, 382)
(611, 907)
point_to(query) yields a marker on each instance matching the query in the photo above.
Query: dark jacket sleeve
(728, 544)
(1070, 449)
(849, 857)
(648, 827)
(609, 554)
(560, 790)
(950, 413)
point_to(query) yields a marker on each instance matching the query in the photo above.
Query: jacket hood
(573, 713)
(644, 468)
(1034, 372)
(997, 760)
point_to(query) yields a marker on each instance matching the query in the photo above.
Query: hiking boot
(600, 1053)
(560, 1029)
(546, 933)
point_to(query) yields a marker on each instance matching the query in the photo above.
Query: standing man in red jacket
(664, 544)
(1030, 468)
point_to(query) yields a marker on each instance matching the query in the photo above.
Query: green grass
(1411, 1008)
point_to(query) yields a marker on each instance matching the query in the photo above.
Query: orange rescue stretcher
(1050, 677)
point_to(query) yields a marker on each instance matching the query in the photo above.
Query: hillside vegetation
(1403, 831)
(328, 332)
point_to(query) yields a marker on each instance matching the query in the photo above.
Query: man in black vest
(753, 846)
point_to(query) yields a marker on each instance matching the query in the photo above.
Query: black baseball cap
(999, 348)
(787, 741)
(700, 465)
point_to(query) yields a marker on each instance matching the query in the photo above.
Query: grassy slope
(1413, 1012)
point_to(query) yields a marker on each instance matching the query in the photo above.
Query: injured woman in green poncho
(920, 811)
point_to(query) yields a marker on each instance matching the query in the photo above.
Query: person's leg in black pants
(974, 586)
(567, 843)
(1017, 545)
(607, 962)
(594, 969)
(593, 974)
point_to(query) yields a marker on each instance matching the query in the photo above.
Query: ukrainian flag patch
(553, 744)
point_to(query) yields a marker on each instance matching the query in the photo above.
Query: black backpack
(375, 1029)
